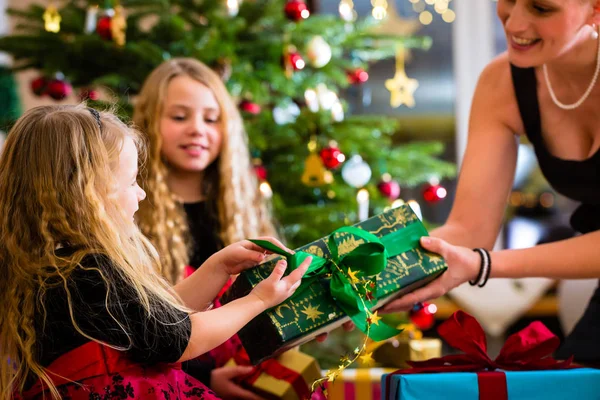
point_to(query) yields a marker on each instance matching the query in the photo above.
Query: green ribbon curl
(368, 259)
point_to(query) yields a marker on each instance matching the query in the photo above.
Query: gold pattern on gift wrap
(281, 307)
(348, 244)
(312, 313)
(51, 19)
(316, 250)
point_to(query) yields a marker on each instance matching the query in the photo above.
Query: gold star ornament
(401, 87)
(366, 359)
(51, 19)
(374, 318)
(352, 275)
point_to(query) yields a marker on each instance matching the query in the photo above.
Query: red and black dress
(144, 365)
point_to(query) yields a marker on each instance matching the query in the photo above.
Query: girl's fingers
(278, 271)
(298, 273)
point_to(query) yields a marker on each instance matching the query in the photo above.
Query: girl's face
(190, 125)
(538, 31)
(129, 193)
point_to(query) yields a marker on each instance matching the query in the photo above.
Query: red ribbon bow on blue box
(527, 350)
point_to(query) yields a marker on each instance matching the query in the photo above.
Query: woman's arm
(575, 258)
(487, 171)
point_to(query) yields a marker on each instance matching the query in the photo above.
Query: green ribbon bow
(366, 261)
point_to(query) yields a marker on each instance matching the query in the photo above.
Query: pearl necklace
(587, 92)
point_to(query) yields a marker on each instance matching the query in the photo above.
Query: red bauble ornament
(261, 172)
(103, 28)
(250, 107)
(89, 94)
(423, 317)
(58, 89)
(296, 10)
(434, 193)
(39, 85)
(296, 61)
(389, 188)
(332, 157)
(357, 76)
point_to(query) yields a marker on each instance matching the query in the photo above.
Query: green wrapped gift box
(345, 258)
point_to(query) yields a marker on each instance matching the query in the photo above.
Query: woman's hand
(223, 384)
(463, 266)
(275, 288)
(242, 255)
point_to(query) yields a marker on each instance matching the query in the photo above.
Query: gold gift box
(269, 387)
(397, 351)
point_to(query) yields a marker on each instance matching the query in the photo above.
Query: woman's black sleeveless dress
(577, 180)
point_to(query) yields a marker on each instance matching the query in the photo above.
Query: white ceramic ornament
(286, 113)
(356, 172)
(318, 52)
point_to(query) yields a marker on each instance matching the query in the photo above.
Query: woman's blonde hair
(230, 185)
(57, 190)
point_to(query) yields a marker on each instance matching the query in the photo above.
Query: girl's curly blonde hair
(57, 190)
(230, 185)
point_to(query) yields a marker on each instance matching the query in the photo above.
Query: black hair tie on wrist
(484, 269)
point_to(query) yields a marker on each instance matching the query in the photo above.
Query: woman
(543, 86)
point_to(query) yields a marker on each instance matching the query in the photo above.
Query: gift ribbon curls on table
(368, 259)
(527, 350)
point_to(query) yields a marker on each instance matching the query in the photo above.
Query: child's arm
(211, 328)
(200, 289)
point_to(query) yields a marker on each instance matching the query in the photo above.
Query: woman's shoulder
(495, 94)
(497, 74)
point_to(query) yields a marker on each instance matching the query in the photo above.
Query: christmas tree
(285, 66)
(10, 104)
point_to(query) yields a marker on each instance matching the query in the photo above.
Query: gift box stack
(380, 256)
(523, 370)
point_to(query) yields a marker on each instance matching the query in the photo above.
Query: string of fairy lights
(426, 9)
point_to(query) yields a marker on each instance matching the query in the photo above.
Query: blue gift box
(579, 383)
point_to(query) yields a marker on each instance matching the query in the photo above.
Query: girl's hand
(463, 266)
(275, 288)
(242, 255)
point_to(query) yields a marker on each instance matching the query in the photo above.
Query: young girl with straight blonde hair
(85, 312)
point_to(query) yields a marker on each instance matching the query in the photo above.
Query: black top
(204, 231)
(149, 339)
(577, 180)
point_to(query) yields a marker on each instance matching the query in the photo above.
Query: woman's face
(538, 31)
(190, 125)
